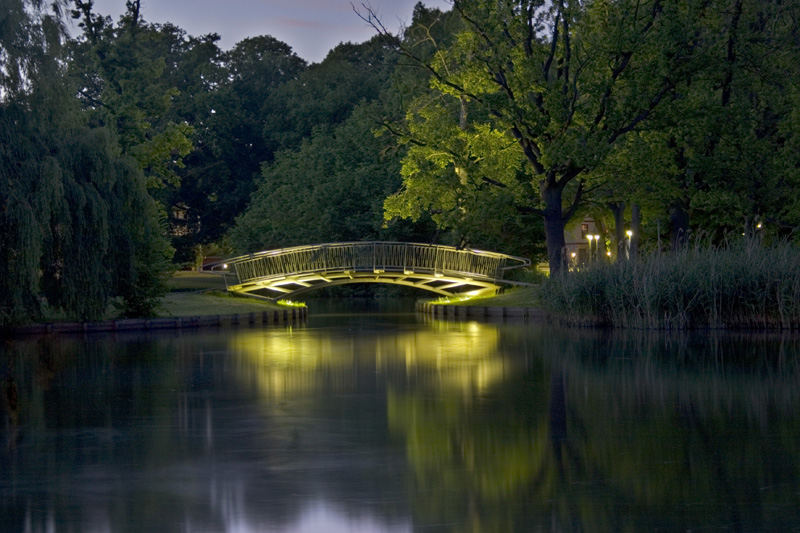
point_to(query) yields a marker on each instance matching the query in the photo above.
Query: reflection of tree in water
(503, 461)
(703, 426)
(76, 399)
(9, 404)
(613, 433)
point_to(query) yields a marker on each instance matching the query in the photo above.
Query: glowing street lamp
(596, 247)
(629, 233)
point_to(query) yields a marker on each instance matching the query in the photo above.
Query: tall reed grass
(744, 284)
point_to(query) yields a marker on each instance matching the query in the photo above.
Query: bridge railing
(376, 256)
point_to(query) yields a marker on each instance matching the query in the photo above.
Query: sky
(310, 27)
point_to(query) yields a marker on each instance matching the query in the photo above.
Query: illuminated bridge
(444, 270)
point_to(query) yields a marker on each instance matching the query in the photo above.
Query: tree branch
(530, 150)
(397, 133)
(567, 215)
(553, 46)
(372, 19)
(528, 210)
(666, 89)
(623, 60)
(567, 51)
(496, 183)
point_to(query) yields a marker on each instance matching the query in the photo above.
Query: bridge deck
(441, 269)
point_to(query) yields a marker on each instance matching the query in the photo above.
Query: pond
(391, 422)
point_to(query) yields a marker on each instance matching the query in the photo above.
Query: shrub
(743, 284)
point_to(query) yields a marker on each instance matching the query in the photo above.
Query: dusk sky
(310, 27)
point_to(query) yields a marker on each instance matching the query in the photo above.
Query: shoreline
(267, 317)
(435, 310)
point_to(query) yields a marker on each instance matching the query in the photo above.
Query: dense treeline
(492, 125)
(681, 114)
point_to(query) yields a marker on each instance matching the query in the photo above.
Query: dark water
(387, 422)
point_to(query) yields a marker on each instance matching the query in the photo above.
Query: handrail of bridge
(376, 256)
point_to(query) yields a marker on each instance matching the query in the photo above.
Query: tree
(721, 158)
(738, 152)
(326, 93)
(78, 227)
(567, 80)
(329, 189)
(235, 136)
(468, 176)
(331, 185)
(120, 69)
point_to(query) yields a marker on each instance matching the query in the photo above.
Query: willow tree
(566, 80)
(29, 186)
(77, 226)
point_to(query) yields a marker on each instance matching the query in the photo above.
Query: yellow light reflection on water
(287, 362)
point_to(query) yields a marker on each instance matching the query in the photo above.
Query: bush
(744, 284)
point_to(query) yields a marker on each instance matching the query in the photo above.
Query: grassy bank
(191, 294)
(184, 280)
(514, 297)
(177, 304)
(203, 293)
(742, 285)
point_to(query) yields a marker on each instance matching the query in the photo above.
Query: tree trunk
(554, 228)
(618, 210)
(557, 416)
(679, 226)
(636, 230)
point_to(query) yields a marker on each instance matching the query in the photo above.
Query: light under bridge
(444, 270)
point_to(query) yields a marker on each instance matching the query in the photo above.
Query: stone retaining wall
(276, 316)
(480, 311)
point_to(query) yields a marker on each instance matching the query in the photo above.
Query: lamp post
(593, 254)
(629, 233)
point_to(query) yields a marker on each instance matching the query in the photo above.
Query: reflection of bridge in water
(444, 270)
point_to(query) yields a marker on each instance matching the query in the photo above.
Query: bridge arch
(443, 270)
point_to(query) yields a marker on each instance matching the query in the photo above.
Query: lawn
(185, 280)
(211, 303)
(515, 297)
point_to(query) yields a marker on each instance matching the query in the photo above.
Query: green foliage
(79, 227)
(469, 178)
(724, 151)
(331, 186)
(330, 189)
(325, 93)
(523, 115)
(121, 74)
(745, 284)
(227, 100)
(565, 81)
(141, 253)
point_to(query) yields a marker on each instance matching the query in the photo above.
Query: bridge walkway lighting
(444, 270)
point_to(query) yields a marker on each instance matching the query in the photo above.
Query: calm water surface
(395, 423)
